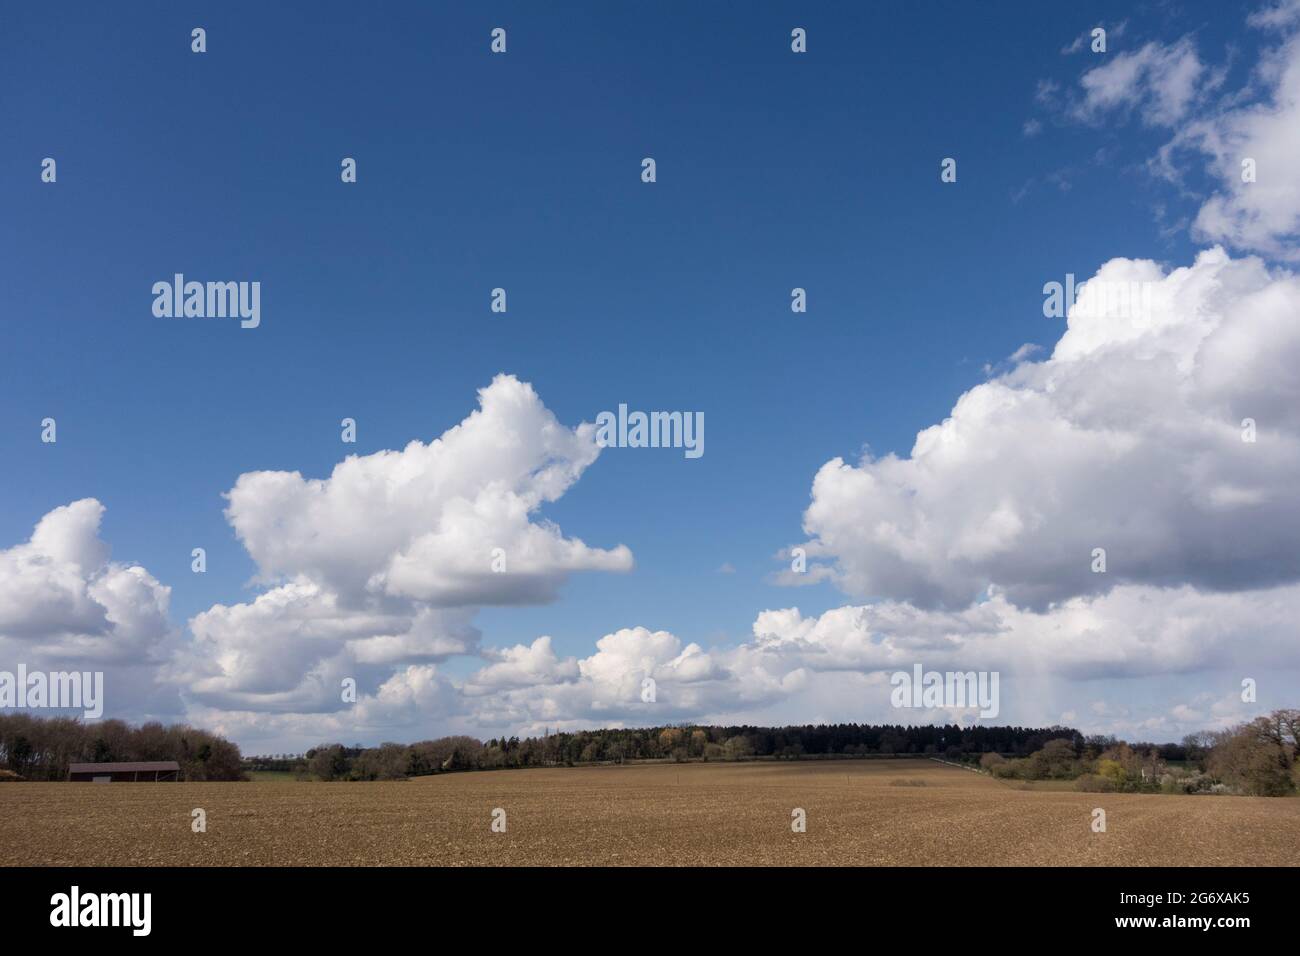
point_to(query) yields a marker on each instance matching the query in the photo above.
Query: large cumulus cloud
(382, 566)
(422, 523)
(1129, 437)
(66, 605)
(61, 598)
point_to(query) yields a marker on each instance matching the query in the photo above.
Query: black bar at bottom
(295, 904)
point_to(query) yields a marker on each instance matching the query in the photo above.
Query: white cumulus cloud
(62, 598)
(1127, 438)
(383, 565)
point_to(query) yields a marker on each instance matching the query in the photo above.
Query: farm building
(144, 771)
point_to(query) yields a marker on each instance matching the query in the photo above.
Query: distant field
(888, 812)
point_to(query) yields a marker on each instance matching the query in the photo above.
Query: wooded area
(392, 760)
(1257, 758)
(41, 748)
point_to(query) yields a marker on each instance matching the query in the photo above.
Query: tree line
(1260, 758)
(391, 761)
(42, 748)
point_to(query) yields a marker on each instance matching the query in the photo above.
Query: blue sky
(522, 170)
